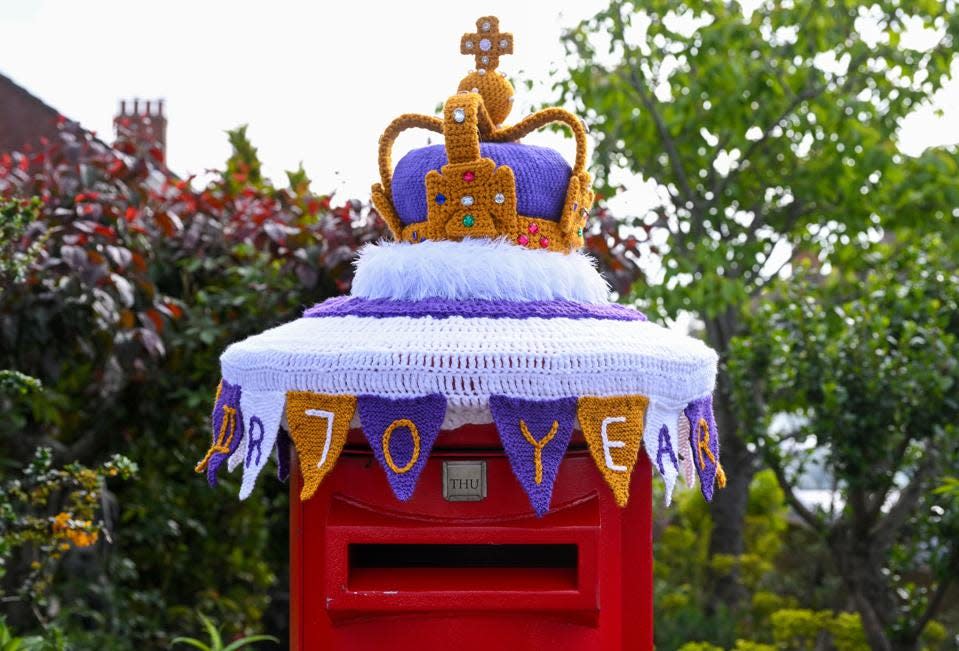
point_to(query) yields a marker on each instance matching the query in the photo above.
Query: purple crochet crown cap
(542, 178)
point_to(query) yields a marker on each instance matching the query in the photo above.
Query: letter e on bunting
(535, 435)
(613, 428)
(227, 423)
(318, 425)
(401, 433)
(704, 441)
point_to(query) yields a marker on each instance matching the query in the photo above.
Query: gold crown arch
(470, 196)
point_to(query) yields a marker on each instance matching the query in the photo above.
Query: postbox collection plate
(464, 481)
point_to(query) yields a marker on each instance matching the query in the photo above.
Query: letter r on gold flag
(318, 425)
(613, 428)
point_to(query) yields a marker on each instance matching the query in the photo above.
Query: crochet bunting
(401, 433)
(283, 454)
(535, 435)
(227, 422)
(613, 428)
(685, 452)
(704, 441)
(318, 426)
(262, 411)
(661, 441)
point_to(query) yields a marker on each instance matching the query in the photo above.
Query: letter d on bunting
(613, 428)
(318, 424)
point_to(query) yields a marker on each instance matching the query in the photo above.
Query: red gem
(544, 242)
(522, 239)
(468, 177)
(534, 228)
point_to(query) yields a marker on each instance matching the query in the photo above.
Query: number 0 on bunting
(318, 424)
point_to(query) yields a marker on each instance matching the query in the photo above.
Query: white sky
(316, 81)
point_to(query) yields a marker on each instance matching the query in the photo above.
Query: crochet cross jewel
(487, 43)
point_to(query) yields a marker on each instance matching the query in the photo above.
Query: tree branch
(669, 144)
(938, 596)
(810, 518)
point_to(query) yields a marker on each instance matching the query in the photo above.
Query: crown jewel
(483, 183)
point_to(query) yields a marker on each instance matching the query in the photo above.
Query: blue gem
(440, 199)
(416, 237)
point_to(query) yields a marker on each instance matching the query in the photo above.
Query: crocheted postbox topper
(482, 182)
(482, 310)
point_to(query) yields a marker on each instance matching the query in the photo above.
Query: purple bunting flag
(283, 452)
(535, 435)
(401, 433)
(704, 443)
(227, 432)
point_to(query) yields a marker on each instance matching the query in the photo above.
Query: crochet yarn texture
(481, 312)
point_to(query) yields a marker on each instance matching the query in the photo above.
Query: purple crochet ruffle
(439, 308)
(542, 178)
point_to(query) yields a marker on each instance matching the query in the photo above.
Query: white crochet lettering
(320, 413)
(607, 444)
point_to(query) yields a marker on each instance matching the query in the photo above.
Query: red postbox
(370, 572)
(414, 525)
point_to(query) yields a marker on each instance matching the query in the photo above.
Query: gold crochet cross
(487, 43)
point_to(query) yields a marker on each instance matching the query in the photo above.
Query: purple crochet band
(440, 308)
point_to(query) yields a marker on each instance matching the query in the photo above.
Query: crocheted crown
(482, 182)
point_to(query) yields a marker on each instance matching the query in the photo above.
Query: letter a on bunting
(613, 428)
(535, 435)
(401, 433)
(318, 424)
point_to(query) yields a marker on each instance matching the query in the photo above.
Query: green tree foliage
(770, 134)
(867, 364)
(129, 284)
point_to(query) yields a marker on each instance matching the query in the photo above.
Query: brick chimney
(143, 125)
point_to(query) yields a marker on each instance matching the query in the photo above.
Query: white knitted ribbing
(468, 359)
(483, 269)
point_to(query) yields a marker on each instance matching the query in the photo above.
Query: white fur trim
(467, 360)
(482, 269)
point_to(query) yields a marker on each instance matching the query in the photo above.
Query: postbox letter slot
(468, 567)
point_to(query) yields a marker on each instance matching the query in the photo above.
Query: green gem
(468, 221)
(580, 232)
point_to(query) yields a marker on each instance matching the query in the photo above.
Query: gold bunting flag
(318, 425)
(613, 428)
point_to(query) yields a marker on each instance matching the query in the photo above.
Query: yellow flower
(61, 522)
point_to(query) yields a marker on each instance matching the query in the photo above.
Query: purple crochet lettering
(665, 447)
(283, 455)
(535, 435)
(254, 443)
(401, 432)
(227, 421)
(542, 178)
(704, 442)
(440, 308)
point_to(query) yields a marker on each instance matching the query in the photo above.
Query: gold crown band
(486, 193)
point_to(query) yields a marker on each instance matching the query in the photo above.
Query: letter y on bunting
(401, 432)
(535, 435)
(613, 428)
(318, 424)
